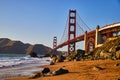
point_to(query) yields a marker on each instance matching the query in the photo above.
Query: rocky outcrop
(57, 58)
(32, 54)
(47, 72)
(76, 55)
(117, 54)
(10, 46)
(110, 49)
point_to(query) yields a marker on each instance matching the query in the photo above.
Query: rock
(53, 59)
(105, 55)
(60, 71)
(76, 55)
(53, 55)
(37, 75)
(97, 68)
(49, 74)
(111, 45)
(117, 79)
(60, 58)
(118, 54)
(46, 55)
(118, 48)
(118, 64)
(52, 63)
(45, 70)
(33, 54)
(81, 52)
(114, 48)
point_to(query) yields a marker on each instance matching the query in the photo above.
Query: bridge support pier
(97, 37)
(85, 41)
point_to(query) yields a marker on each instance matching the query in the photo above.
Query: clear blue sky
(37, 21)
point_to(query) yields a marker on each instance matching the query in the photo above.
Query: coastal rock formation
(57, 58)
(76, 55)
(46, 72)
(109, 50)
(10, 46)
(32, 54)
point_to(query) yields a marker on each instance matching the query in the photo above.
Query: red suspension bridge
(76, 30)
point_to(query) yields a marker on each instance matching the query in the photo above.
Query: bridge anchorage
(91, 38)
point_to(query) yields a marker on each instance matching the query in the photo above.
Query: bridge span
(91, 39)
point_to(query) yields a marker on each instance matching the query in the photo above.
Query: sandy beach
(83, 70)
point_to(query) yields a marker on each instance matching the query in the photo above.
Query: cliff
(10, 46)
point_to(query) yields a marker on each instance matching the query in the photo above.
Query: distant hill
(10, 46)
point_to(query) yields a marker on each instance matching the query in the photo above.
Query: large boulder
(60, 71)
(81, 52)
(60, 58)
(53, 59)
(52, 63)
(118, 54)
(114, 49)
(45, 70)
(37, 75)
(76, 55)
(32, 54)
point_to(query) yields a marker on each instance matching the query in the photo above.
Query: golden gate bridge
(77, 30)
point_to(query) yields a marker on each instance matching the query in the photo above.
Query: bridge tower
(54, 43)
(71, 30)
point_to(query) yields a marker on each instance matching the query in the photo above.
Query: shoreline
(82, 70)
(25, 67)
(18, 71)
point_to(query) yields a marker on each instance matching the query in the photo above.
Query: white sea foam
(14, 61)
(20, 66)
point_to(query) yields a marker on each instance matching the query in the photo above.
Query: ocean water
(11, 55)
(14, 65)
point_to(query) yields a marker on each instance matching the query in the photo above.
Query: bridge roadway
(106, 30)
(77, 39)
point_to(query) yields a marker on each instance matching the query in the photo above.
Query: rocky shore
(83, 70)
(103, 63)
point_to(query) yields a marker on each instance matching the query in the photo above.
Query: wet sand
(83, 70)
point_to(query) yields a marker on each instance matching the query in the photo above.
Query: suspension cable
(80, 27)
(64, 30)
(83, 22)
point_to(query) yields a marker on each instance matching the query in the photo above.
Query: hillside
(10, 46)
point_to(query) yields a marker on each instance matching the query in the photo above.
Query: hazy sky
(37, 21)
